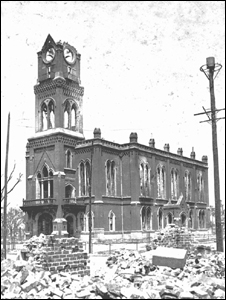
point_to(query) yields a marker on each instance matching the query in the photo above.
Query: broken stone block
(186, 295)
(219, 294)
(170, 257)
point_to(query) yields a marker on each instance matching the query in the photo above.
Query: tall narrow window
(68, 191)
(51, 114)
(68, 159)
(111, 218)
(73, 117)
(88, 179)
(51, 184)
(146, 218)
(110, 178)
(84, 178)
(44, 184)
(160, 218)
(44, 114)
(161, 182)
(38, 186)
(67, 115)
(187, 184)
(200, 187)
(174, 184)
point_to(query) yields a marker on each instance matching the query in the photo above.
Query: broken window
(161, 182)
(111, 217)
(190, 221)
(38, 186)
(81, 221)
(187, 183)
(73, 117)
(67, 115)
(174, 184)
(68, 159)
(51, 114)
(44, 184)
(85, 178)
(110, 178)
(183, 219)
(70, 115)
(70, 226)
(44, 115)
(68, 191)
(160, 218)
(45, 224)
(47, 115)
(169, 218)
(202, 220)
(146, 219)
(87, 220)
(200, 187)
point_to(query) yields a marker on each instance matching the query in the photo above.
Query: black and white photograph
(113, 149)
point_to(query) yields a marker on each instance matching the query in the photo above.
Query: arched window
(200, 186)
(160, 219)
(44, 184)
(70, 115)
(47, 114)
(84, 178)
(187, 184)
(38, 186)
(87, 218)
(146, 218)
(73, 117)
(70, 226)
(174, 184)
(161, 182)
(202, 219)
(88, 177)
(111, 220)
(67, 114)
(110, 178)
(51, 115)
(68, 191)
(169, 218)
(45, 224)
(44, 115)
(81, 221)
(142, 179)
(68, 159)
(183, 219)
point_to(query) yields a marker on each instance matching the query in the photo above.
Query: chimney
(180, 151)
(133, 137)
(166, 147)
(205, 159)
(152, 143)
(97, 133)
(192, 153)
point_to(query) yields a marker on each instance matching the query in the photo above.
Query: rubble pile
(172, 236)
(127, 275)
(50, 254)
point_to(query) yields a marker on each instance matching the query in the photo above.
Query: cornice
(48, 87)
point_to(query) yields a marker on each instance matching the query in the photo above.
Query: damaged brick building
(135, 189)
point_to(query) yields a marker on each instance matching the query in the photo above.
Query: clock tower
(50, 167)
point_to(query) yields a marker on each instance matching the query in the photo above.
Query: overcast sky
(139, 66)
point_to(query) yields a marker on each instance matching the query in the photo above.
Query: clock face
(69, 55)
(50, 54)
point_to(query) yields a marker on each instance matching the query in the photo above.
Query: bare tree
(8, 180)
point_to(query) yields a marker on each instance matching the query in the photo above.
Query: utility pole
(90, 201)
(5, 197)
(209, 69)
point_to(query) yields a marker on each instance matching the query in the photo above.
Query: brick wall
(65, 254)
